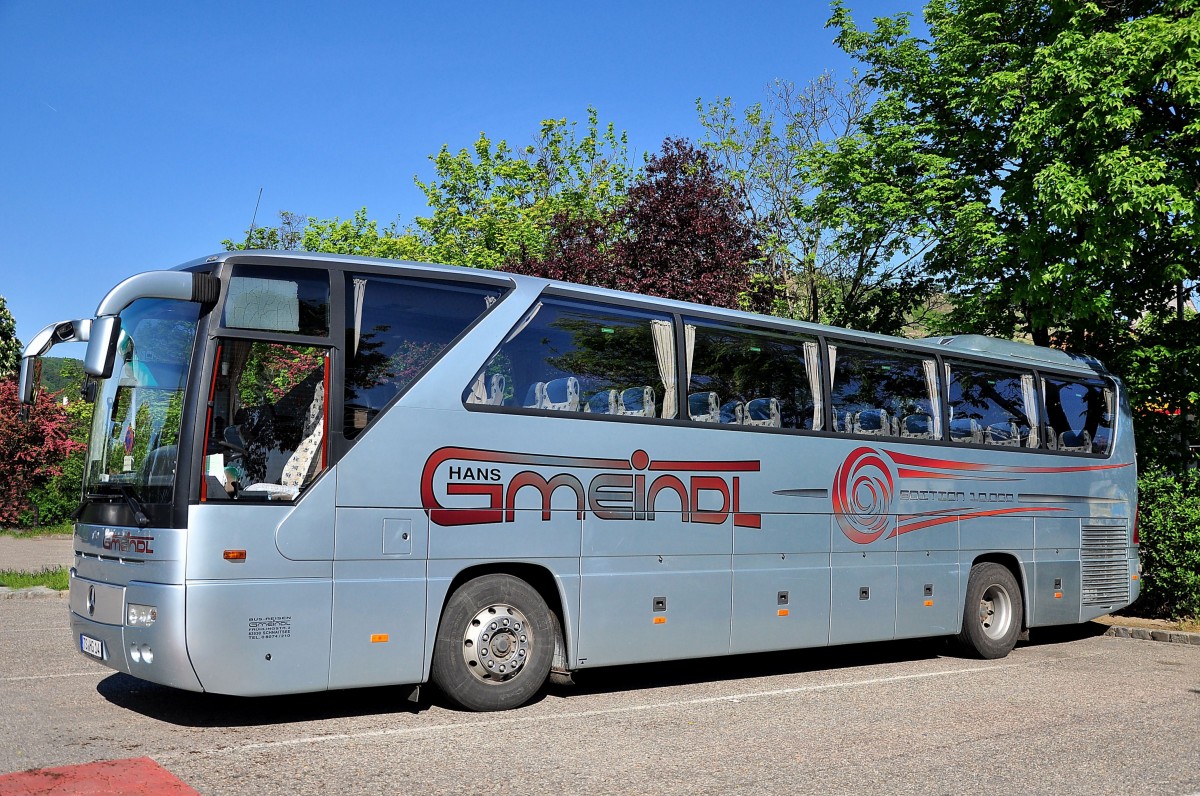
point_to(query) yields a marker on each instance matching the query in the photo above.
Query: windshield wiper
(139, 513)
(126, 492)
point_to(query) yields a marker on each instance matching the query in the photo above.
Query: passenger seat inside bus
(499, 385)
(733, 412)
(560, 395)
(637, 402)
(704, 407)
(1079, 441)
(1004, 434)
(603, 402)
(301, 465)
(873, 422)
(917, 426)
(965, 429)
(763, 412)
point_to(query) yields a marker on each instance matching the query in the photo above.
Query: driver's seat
(304, 462)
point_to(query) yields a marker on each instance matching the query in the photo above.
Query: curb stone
(32, 593)
(1145, 634)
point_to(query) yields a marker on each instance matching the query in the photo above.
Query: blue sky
(136, 135)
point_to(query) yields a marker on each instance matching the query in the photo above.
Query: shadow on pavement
(1063, 634)
(189, 709)
(741, 667)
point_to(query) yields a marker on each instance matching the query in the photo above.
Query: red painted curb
(133, 777)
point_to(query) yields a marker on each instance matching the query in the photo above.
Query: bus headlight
(141, 615)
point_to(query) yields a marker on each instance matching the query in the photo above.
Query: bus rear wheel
(494, 645)
(992, 618)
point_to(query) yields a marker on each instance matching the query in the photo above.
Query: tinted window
(884, 393)
(755, 377)
(396, 327)
(991, 406)
(581, 357)
(270, 299)
(1079, 414)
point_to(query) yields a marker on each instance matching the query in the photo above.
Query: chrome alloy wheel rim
(995, 611)
(496, 643)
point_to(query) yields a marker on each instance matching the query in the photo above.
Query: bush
(33, 452)
(52, 501)
(1169, 526)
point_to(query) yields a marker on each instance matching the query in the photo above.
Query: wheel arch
(540, 577)
(1014, 565)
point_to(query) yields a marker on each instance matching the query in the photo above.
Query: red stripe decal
(945, 464)
(916, 526)
(707, 467)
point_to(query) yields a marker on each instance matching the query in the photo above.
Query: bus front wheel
(494, 644)
(992, 618)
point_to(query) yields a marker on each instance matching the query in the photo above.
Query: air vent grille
(1105, 568)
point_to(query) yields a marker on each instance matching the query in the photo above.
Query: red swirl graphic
(862, 496)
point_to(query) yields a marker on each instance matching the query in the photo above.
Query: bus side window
(1079, 414)
(396, 327)
(751, 376)
(581, 357)
(884, 393)
(991, 406)
(267, 435)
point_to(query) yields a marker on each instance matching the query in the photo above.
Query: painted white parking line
(493, 722)
(104, 672)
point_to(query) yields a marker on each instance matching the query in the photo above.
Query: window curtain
(935, 397)
(360, 293)
(812, 367)
(1029, 395)
(663, 335)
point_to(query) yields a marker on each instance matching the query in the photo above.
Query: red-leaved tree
(33, 451)
(679, 234)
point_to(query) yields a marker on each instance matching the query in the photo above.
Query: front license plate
(91, 646)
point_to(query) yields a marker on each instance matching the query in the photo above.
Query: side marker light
(660, 620)
(782, 612)
(235, 555)
(1135, 577)
(378, 638)
(928, 603)
(1058, 595)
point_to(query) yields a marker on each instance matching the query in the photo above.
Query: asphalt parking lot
(1070, 712)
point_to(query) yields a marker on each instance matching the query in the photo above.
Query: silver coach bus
(309, 472)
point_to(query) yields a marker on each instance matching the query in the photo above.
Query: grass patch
(55, 578)
(65, 528)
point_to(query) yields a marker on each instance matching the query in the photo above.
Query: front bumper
(157, 653)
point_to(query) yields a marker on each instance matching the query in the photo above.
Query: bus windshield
(133, 449)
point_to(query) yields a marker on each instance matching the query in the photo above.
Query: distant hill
(62, 373)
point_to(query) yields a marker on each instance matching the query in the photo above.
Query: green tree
(1072, 139)
(836, 190)
(492, 205)
(358, 235)
(362, 236)
(10, 346)
(287, 236)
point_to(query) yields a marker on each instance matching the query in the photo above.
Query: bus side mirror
(30, 379)
(102, 346)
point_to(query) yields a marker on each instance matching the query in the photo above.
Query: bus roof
(1023, 354)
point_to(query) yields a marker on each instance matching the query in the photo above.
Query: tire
(993, 614)
(494, 644)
